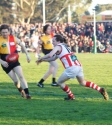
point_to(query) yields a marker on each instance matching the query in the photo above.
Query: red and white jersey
(67, 57)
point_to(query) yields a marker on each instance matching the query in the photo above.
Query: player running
(72, 66)
(8, 46)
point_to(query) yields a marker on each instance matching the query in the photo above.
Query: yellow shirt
(7, 46)
(47, 42)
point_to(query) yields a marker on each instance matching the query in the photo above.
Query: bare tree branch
(27, 2)
(61, 9)
(50, 2)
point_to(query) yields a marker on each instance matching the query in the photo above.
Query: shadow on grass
(48, 90)
(47, 106)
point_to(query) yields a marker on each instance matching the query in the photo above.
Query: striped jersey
(7, 46)
(67, 57)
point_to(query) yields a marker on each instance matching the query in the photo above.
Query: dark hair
(59, 38)
(45, 28)
(4, 26)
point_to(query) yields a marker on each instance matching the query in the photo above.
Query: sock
(93, 86)
(53, 80)
(68, 91)
(41, 81)
(20, 89)
(26, 91)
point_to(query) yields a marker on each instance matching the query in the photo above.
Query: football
(12, 57)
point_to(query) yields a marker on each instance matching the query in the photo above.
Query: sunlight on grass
(47, 106)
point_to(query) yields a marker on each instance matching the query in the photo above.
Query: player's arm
(50, 59)
(46, 60)
(38, 48)
(3, 63)
(53, 52)
(51, 56)
(18, 41)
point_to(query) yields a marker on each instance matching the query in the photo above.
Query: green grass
(47, 106)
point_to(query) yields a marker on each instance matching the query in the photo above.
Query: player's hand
(39, 56)
(5, 64)
(28, 58)
(39, 61)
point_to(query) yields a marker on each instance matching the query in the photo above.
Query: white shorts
(73, 71)
(35, 45)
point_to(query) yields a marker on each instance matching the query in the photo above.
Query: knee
(83, 83)
(56, 66)
(59, 82)
(50, 71)
(15, 83)
(20, 76)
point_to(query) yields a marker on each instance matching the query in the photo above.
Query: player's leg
(47, 74)
(83, 82)
(12, 75)
(55, 65)
(64, 87)
(18, 71)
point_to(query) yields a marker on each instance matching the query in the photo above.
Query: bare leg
(55, 65)
(49, 72)
(63, 78)
(12, 75)
(18, 71)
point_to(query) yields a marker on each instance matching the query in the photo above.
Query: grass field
(47, 106)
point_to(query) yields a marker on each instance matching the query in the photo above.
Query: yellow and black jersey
(47, 42)
(7, 46)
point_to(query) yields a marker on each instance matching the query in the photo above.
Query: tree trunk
(22, 20)
(28, 21)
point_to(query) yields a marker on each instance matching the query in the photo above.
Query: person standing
(47, 46)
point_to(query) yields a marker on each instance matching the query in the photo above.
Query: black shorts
(46, 51)
(10, 67)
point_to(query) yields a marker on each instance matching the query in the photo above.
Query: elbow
(49, 55)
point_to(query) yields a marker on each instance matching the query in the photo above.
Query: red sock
(93, 86)
(68, 91)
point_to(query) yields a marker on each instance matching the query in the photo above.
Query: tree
(25, 10)
(31, 10)
(4, 10)
(103, 7)
(87, 12)
(57, 10)
(22, 10)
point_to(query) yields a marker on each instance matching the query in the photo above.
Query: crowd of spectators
(80, 37)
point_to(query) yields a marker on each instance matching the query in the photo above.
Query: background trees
(31, 10)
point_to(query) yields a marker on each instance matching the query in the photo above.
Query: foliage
(87, 13)
(99, 8)
(31, 10)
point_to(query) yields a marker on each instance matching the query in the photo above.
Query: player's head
(4, 30)
(47, 29)
(57, 39)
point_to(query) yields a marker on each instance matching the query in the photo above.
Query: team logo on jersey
(4, 45)
(48, 42)
(73, 57)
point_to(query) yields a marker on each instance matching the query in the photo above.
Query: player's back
(67, 57)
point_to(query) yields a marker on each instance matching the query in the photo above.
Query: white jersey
(67, 57)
